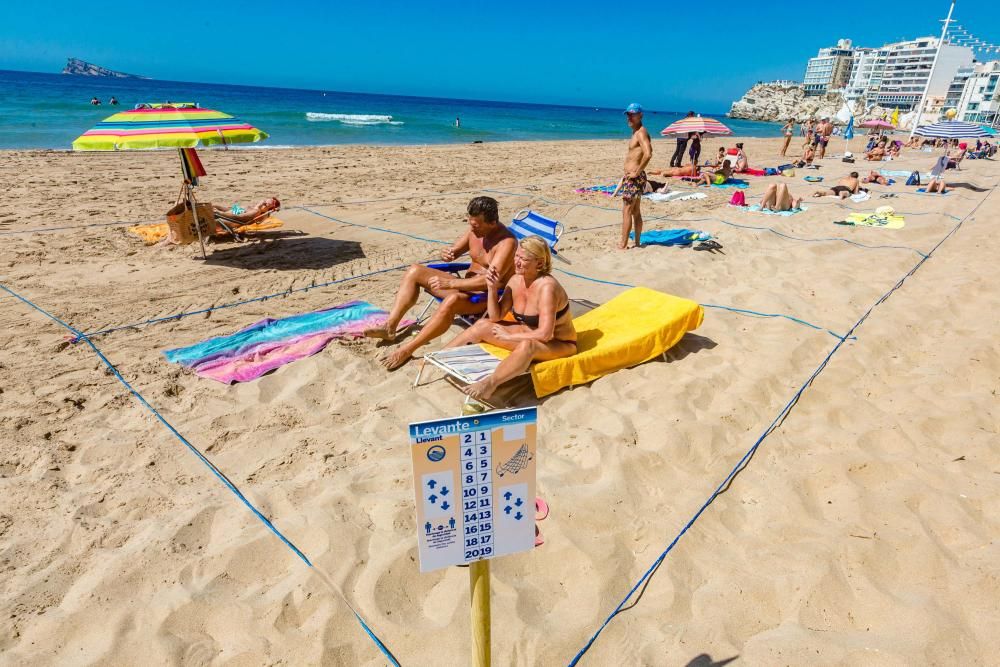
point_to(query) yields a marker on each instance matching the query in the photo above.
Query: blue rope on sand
(741, 311)
(194, 450)
(782, 415)
(373, 228)
(234, 304)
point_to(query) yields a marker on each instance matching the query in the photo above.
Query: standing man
(640, 151)
(678, 158)
(824, 131)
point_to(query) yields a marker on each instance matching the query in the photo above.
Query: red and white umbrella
(696, 124)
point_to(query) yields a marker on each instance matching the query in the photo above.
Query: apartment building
(980, 100)
(830, 69)
(908, 67)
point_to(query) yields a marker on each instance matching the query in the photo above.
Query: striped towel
(269, 344)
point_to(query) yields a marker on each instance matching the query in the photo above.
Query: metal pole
(927, 88)
(479, 585)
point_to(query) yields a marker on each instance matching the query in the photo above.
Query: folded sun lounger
(632, 328)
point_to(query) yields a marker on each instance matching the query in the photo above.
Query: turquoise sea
(50, 110)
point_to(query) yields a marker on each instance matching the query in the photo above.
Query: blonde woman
(531, 318)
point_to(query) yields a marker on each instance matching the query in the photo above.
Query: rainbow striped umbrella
(696, 124)
(167, 126)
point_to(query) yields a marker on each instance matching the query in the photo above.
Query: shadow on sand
(283, 253)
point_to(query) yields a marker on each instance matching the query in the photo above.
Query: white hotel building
(893, 75)
(980, 101)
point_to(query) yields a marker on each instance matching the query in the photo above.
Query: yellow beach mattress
(632, 328)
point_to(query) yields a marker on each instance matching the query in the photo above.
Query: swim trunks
(837, 189)
(719, 179)
(633, 187)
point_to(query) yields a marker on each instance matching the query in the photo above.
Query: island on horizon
(83, 68)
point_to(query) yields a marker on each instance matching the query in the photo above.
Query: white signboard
(474, 483)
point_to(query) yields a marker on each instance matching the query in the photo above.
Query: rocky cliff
(775, 102)
(83, 68)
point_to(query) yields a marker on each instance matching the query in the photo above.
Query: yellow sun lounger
(632, 328)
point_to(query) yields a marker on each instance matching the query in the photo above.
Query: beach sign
(474, 486)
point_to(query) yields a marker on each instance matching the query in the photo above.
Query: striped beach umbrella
(180, 125)
(695, 124)
(877, 123)
(167, 126)
(951, 129)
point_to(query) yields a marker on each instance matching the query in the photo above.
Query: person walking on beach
(678, 157)
(640, 152)
(788, 130)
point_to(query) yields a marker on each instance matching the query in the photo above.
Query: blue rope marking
(741, 311)
(372, 227)
(744, 461)
(233, 304)
(194, 450)
(725, 222)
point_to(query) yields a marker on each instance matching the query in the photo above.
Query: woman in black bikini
(531, 318)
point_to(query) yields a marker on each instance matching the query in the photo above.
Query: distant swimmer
(94, 101)
(458, 122)
(113, 101)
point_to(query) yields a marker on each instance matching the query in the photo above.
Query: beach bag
(914, 178)
(180, 222)
(771, 171)
(788, 172)
(738, 199)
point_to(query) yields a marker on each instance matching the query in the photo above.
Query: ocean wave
(352, 118)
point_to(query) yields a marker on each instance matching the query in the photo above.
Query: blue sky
(582, 52)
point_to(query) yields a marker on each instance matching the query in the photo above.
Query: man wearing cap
(640, 151)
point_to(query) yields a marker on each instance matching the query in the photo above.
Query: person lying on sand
(531, 318)
(716, 177)
(237, 212)
(875, 177)
(847, 186)
(676, 172)
(489, 244)
(778, 198)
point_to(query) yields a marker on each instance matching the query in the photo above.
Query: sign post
(474, 486)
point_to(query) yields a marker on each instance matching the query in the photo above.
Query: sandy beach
(863, 531)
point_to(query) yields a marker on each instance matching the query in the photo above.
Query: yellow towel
(632, 328)
(869, 220)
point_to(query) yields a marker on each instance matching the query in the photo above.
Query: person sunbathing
(531, 318)
(876, 154)
(716, 176)
(875, 177)
(742, 161)
(489, 244)
(237, 213)
(956, 155)
(778, 198)
(847, 186)
(808, 155)
(676, 172)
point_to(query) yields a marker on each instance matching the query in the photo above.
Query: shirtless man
(823, 132)
(849, 185)
(875, 177)
(489, 244)
(640, 151)
(716, 176)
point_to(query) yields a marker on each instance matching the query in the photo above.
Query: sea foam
(352, 118)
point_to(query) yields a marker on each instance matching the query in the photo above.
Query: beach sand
(864, 530)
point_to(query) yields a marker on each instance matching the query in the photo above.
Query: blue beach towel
(923, 191)
(672, 237)
(733, 183)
